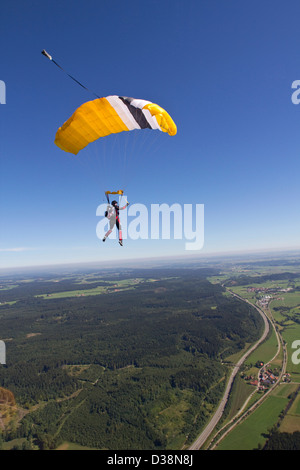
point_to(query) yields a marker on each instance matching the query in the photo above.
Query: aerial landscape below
(140, 358)
(149, 236)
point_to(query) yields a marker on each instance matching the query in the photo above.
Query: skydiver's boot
(104, 238)
(121, 242)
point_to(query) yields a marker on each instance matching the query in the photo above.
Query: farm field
(249, 434)
(291, 422)
(108, 288)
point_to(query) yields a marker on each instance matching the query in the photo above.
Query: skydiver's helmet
(114, 203)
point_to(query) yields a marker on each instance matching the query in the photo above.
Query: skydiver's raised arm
(124, 207)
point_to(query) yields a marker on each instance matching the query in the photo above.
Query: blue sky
(223, 71)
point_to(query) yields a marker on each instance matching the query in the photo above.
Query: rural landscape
(180, 355)
(149, 237)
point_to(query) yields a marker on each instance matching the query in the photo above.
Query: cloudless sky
(223, 71)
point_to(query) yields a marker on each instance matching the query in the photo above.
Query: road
(216, 417)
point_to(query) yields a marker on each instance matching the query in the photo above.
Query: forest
(137, 368)
(244, 280)
(283, 441)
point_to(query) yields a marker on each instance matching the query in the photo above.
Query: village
(268, 293)
(266, 377)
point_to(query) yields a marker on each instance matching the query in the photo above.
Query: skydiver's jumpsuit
(114, 218)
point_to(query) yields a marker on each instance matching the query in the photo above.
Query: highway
(216, 417)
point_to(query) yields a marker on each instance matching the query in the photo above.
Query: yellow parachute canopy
(111, 115)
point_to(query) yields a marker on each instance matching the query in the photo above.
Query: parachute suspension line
(129, 156)
(45, 53)
(88, 165)
(124, 158)
(140, 141)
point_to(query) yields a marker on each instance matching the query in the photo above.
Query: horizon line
(114, 262)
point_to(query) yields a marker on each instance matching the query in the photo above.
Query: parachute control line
(120, 192)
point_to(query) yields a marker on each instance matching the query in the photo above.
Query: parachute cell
(111, 115)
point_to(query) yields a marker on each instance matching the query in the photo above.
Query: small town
(266, 377)
(269, 293)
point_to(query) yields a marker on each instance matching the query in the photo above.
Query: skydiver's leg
(112, 223)
(120, 232)
(106, 235)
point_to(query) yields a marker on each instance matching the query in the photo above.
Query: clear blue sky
(223, 70)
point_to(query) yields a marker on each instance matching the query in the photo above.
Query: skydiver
(112, 213)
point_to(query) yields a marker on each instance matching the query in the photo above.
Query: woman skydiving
(113, 214)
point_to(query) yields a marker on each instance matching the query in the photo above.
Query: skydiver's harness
(110, 212)
(113, 211)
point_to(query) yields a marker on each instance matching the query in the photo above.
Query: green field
(75, 293)
(286, 314)
(71, 446)
(110, 287)
(291, 422)
(265, 352)
(249, 434)
(241, 391)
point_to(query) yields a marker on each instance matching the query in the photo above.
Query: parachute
(111, 115)
(108, 115)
